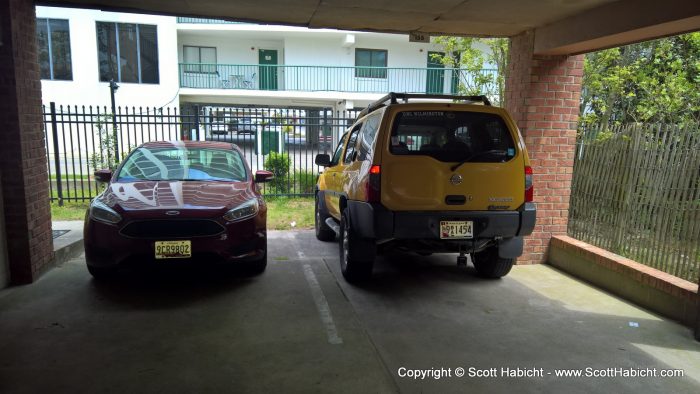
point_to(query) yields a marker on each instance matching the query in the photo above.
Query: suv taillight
(529, 188)
(373, 185)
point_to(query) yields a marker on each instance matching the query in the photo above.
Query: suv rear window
(452, 136)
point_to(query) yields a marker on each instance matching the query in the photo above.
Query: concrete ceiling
(561, 26)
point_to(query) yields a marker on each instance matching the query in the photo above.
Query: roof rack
(392, 98)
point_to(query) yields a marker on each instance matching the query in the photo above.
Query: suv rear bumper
(375, 221)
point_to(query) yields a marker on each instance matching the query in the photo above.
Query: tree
(652, 82)
(104, 158)
(463, 53)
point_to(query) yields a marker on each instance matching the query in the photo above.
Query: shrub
(278, 164)
(104, 158)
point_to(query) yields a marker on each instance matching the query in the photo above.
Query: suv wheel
(355, 267)
(489, 265)
(323, 232)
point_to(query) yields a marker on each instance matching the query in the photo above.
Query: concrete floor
(300, 328)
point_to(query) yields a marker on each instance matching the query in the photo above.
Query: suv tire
(323, 232)
(489, 265)
(354, 269)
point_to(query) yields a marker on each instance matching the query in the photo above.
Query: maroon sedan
(178, 200)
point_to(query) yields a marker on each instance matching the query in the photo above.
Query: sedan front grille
(163, 228)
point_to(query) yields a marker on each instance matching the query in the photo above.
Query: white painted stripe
(274, 234)
(324, 311)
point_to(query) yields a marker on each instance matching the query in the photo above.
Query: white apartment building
(160, 61)
(80, 50)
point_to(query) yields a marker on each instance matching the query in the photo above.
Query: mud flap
(365, 249)
(510, 248)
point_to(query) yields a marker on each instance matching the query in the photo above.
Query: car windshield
(183, 164)
(452, 136)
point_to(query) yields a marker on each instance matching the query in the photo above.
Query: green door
(435, 75)
(268, 69)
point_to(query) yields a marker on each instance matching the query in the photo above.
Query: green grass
(69, 211)
(70, 176)
(76, 189)
(281, 212)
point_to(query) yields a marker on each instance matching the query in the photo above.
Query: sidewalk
(69, 243)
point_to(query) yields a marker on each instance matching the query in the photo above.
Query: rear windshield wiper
(494, 152)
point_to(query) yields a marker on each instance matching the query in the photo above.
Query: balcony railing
(336, 79)
(204, 21)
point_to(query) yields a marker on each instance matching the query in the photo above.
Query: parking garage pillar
(542, 94)
(22, 147)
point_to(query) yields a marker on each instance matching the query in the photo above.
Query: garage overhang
(617, 23)
(561, 26)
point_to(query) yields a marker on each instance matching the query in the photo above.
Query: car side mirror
(323, 160)
(103, 176)
(262, 176)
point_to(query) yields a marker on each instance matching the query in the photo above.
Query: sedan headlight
(244, 211)
(102, 213)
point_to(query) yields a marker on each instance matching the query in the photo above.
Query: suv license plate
(456, 229)
(173, 249)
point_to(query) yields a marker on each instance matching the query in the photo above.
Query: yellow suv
(451, 176)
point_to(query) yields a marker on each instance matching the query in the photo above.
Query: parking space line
(324, 311)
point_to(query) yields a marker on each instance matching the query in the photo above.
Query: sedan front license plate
(173, 249)
(456, 229)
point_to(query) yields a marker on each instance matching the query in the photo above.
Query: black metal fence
(83, 139)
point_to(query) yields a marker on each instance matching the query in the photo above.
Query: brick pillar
(22, 147)
(542, 94)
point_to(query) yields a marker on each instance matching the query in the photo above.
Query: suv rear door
(424, 144)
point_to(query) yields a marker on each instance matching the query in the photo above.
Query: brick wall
(542, 94)
(22, 145)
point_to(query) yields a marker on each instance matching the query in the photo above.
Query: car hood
(176, 195)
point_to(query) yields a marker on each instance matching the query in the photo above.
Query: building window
(127, 52)
(53, 45)
(199, 59)
(370, 58)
